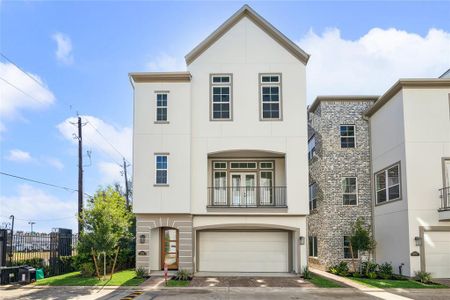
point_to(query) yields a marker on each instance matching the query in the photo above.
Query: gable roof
(407, 83)
(247, 11)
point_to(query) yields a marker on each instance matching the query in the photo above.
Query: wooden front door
(169, 248)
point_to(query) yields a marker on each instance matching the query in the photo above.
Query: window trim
(356, 191)
(156, 169)
(313, 239)
(398, 163)
(156, 107)
(313, 150)
(311, 200)
(220, 84)
(280, 100)
(354, 136)
(219, 162)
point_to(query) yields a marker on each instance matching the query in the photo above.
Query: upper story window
(311, 147)
(387, 184)
(312, 246)
(270, 92)
(347, 133)
(161, 107)
(161, 169)
(313, 196)
(221, 86)
(349, 191)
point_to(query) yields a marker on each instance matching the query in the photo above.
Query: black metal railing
(247, 196)
(445, 198)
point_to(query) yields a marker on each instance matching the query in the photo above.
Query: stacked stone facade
(331, 220)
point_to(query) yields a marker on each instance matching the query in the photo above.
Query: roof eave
(139, 77)
(319, 99)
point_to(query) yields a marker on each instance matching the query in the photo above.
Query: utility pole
(126, 182)
(80, 174)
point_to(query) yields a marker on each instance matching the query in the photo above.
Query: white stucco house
(220, 155)
(410, 158)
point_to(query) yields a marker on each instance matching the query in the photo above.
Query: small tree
(361, 240)
(106, 222)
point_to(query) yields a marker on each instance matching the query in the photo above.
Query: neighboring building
(339, 166)
(220, 155)
(410, 138)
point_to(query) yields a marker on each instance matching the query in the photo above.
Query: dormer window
(270, 96)
(221, 96)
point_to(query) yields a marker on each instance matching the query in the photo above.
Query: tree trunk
(353, 258)
(114, 264)
(95, 264)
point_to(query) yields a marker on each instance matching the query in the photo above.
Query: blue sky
(82, 51)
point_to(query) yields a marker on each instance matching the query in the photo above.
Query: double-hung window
(221, 86)
(312, 241)
(161, 169)
(349, 191)
(312, 196)
(270, 85)
(347, 133)
(387, 184)
(347, 251)
(161, 107)
(311, 147)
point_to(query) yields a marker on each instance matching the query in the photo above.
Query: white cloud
(19, 156)
(165, 62)
(374, 62)
(64, 48)
(46, 210)
(120, 138)
(13, 100)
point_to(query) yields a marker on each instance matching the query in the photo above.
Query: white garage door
(437, 253)
(237, 251)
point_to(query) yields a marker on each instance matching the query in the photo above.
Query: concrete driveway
(238, 281)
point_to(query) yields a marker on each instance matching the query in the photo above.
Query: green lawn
(320, 281)
(392, 284)
(175, 283)
(122, 278)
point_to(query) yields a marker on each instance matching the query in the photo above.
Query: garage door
(437, 253)
(237, 251)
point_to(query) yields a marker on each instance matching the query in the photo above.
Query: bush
(87, 269)
(141, 272)
(368, 267)
(357, 275)
(385, 270)
(423, 277)
(182, 275)
(372, 275)
(306, 273)
(340, 269)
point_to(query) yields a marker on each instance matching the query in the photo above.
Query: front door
(169, 248)
(243, 189)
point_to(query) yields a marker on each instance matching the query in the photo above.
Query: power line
(40, 220)
(43, 183)
(112, 146)
(19, 89)
(23, 71)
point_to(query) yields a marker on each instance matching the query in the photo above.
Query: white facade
(243, 48)
(411, 127)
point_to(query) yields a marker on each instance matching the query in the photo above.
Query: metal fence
(51, 251)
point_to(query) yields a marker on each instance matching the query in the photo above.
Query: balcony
(247, 197)
(444, 211)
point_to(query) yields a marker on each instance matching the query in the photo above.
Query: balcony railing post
(247, 196)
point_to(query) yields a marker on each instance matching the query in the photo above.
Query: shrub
(385, 270)
(372, 275)
(182, 275)
(306, 273)
(87, 269)
(141, 272)
(368, 267)
(340, 269)
(356, 275)
(423, 277)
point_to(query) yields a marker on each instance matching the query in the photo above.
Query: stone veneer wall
(146, 222)
(331, 220)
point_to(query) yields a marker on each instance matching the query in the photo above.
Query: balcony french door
(243, 189)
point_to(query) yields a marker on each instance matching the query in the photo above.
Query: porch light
(142, 238)
(302, 240)
(418, 241)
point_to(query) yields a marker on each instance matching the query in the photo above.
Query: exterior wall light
(418, 241)
(142, 238)
(302, 240)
